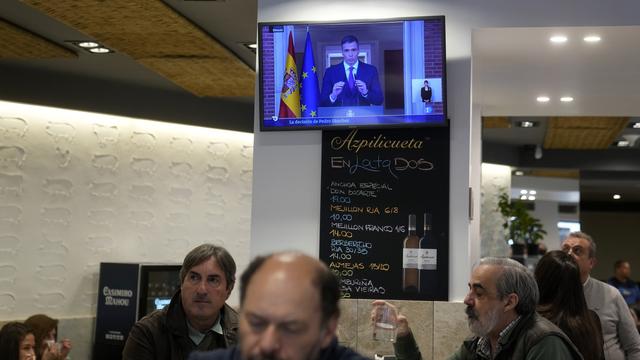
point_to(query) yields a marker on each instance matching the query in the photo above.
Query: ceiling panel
(583, 132)
(18, 43)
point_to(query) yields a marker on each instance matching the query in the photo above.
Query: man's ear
(511, 302)
(330, 329)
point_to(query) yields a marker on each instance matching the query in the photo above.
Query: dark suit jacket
(367, 73)
(426, 94)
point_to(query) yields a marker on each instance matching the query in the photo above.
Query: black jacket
(163, 334)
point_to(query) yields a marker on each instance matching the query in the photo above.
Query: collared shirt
(484, 344)
(347, 66)
(197, 337)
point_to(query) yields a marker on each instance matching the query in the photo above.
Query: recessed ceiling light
(523, 192)
(558, 39)
(622, 143)
(526, 124)
(518, 173)
(88, 44)
(617, 197)
(531, 198)
(566, 99)
(543, 99)
(523, 197)
(591, 38)
(636, 125)
(100, 50)
(532, 192)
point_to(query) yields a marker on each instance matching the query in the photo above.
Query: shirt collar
(197, 337)
(347, 66)
(484, 344)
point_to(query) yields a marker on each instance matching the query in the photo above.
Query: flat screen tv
(370, 73)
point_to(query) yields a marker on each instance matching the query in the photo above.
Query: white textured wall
(79, 188)
(495, 180)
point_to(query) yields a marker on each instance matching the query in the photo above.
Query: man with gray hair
(621, 338)
(197, 317)
(501, 312)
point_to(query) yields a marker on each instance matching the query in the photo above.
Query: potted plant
(520, 227)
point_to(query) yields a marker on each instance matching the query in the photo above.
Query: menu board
(385, 212)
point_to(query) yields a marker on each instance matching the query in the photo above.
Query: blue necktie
(352, 80)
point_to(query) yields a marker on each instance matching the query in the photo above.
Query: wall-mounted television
(369, 73)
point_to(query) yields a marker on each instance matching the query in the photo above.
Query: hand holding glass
(384, 316)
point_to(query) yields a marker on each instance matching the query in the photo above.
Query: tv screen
(352, 74)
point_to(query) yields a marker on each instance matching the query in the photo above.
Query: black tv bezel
(445, 96)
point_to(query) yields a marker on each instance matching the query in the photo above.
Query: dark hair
(41, 325)
(205, 252)
(619, 263)
(323, 279)
(562, 302)
(585, 236)
(11, 335)
(515, 279)
(349, 39)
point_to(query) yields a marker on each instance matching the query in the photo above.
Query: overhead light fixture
(622, 143)
(88, 44)
(100, 50)
(636, 125)
(543, 99)
(558, 39)
(518, 173)
(91, 46)
(526, 124)
(566, 99)
(531, 198)
(523, 192)
(251, 46)
(523, 197)
(592, 38)
(616, 197)
(532, 192)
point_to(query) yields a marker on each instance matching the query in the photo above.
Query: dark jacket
(534, 337)
(163, 334)
(334, 351)
(367, 73)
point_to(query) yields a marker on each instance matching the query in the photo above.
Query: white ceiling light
(532, 192)
(88, 44)
(617, 197)
(523, 192)
(592, 38)
(622, 143)
(558, 39)
(518, 173)
(636, 125)
(523, 197)
(566, 99)
(100, 50)
(531, 198)
(543, 99)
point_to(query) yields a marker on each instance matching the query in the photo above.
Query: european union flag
(309, 93)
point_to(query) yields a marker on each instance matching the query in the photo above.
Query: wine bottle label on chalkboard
(410, 258)
(428, 259)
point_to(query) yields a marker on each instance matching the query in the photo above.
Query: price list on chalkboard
(385, 212)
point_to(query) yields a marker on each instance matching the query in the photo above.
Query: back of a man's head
(515, 278)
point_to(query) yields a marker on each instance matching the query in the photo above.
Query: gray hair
(205, 252)
(515, 278)
(585, 236)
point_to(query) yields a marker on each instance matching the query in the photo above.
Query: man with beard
(197, 317)
(289, 310)
(501, 305)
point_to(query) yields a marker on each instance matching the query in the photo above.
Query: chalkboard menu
(385, 212)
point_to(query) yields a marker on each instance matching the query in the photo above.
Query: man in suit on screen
(351, 82)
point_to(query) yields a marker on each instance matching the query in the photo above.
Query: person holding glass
(45, 330)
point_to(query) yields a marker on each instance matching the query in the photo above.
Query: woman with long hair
(17, 342)
(562, 302)
(45, 330)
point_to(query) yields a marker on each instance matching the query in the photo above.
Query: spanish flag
(290, 95)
